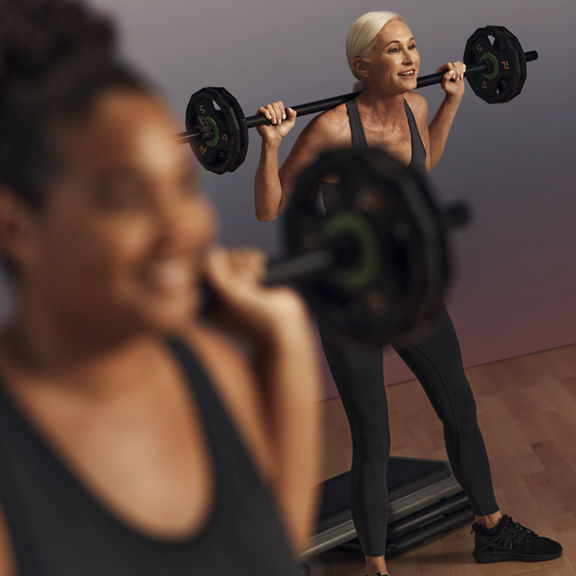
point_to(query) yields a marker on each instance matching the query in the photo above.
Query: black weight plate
(510, 79)
(518, 62)
(308, 226)
(219, 149)
(214, 149)
(242, 130)
(398, 276)
(426, 254)
(507, 73)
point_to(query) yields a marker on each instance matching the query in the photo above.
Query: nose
(408, 57)
(170, 223)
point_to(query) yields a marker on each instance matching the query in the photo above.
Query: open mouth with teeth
(407, 74)
(169, 277)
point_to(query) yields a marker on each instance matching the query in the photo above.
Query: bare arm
(453, 85)
(440, 128)
(268, 190)
(274, 401)
(268, 193)
(273, 186)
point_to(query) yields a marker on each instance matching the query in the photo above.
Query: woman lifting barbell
(382, 55)
(134, 439)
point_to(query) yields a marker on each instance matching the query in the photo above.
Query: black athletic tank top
(418, 160)
(58, 528)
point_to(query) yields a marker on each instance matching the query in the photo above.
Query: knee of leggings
(461, 417)
(371, 443)
(458, 398)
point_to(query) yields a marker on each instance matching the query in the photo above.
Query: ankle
(376, 566)
(490, 520)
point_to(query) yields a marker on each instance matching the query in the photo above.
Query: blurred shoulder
(220, 356)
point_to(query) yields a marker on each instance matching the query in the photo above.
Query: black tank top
(59, 529)
(418, 160)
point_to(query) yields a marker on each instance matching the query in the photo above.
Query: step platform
(425, 501)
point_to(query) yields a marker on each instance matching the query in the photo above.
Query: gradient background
(514, 163)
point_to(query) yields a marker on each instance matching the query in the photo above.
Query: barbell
(217, 129)
(367, 246)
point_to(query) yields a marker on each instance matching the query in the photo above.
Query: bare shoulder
(236, 383)
(327, 131)
(214, 348)
(332, 127)
(419, 106)
(7, 566)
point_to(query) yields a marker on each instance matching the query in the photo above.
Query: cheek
(91, 254)
(390, 63)
(196, 227)
(98, 255)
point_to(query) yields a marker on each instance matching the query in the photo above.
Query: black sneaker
(509, 540)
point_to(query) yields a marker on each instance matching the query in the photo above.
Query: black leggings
(437, 363)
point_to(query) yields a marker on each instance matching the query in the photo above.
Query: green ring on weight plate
(215, 132)
(369, 265)
(495, 65)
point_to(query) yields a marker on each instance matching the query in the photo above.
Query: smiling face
(392, 64)
(118, 243)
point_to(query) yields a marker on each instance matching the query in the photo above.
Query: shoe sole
(504, 556)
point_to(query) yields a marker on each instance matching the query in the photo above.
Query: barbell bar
(484, 67)
(217, 129)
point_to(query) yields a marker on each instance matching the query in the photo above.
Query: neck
(380, 103)
(45, 340)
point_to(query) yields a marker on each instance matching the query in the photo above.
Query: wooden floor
(527, 412)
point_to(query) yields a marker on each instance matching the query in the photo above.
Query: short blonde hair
(362, 35)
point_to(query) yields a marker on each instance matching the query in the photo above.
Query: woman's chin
(168, 314)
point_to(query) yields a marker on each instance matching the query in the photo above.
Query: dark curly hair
(56, 58)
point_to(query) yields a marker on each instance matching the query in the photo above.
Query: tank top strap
(217, 421)
(356, 128)
(14, 439)
(231, 456)
(418, 160)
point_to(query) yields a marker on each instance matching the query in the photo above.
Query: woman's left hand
(453, 79)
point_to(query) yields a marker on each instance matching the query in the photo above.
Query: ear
(16, 227)
(361, 67)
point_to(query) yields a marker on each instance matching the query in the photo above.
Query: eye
(121, 195)
(412, 47)
(122, 199)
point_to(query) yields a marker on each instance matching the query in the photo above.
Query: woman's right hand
(245, 304)
(282, 121)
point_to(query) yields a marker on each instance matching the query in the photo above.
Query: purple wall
(516, 286)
